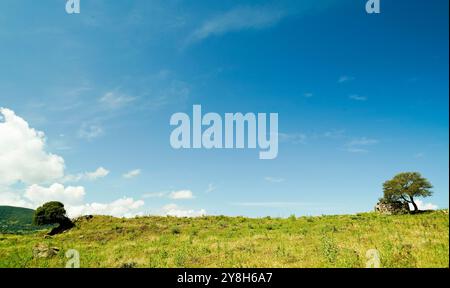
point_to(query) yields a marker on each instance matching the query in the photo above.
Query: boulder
(44, 251)
(392, 208)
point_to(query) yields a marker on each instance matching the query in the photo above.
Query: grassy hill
(16, 219)
(329, 241)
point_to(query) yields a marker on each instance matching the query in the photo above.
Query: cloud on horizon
(23, 159)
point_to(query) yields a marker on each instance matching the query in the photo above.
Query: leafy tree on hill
(404, 187)
(53, 213)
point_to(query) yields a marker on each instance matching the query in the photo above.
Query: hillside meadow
(420, 240)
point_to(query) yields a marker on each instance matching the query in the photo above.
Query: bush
(53, 213)
(50, 213)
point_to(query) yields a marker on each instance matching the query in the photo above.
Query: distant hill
(16, 220)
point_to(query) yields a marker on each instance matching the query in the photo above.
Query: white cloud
(114, 100)
(97, 174)
(362, 141)
(22, 153)
(308, 95)
(175, 195)
(345, 78)
(419, 155)
(358, 145)
(90, 131)
(273, 204)
(24, 159)
(13, 199)
(294, 138)
(39, 195)
(274, 179)
(175, 210)
(211, 188)
(72, 198)
(334, 134)
(125, 207)
(181, 195)
(238, 19)
(154, 195)
(357, 97)
(423, 206)
(132, 174)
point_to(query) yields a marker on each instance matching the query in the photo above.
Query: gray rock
(392, 208)
(44, 251)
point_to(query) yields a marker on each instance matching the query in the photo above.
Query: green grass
(420, 240)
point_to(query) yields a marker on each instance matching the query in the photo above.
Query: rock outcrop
(392, 208)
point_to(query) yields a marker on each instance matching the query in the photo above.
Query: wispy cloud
(132, 174)
(174, 195)
(211, 188)
(274, 179)
(240, 18)
(90, 131)
(294, 138)
(419, 155)
(358, 145)
(175, 210)
(154, 195)
(357, 97)
(363, 141)
(91, 176)
(345, 78)
(115, 100)
(273, 204)
(334, 134)
(181, 195)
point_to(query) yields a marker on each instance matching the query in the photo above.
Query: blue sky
(360, 98)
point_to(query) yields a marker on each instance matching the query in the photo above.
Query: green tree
(405, 186)
(52, 213)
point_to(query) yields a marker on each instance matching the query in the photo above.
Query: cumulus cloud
(181, 195)
(423, 206)
(23, 159)
(8, 198)
(125, 207)
(239, 18)
(22, 153)
(99, 173)
(70, 195)
(132, 174)
(175, 210)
